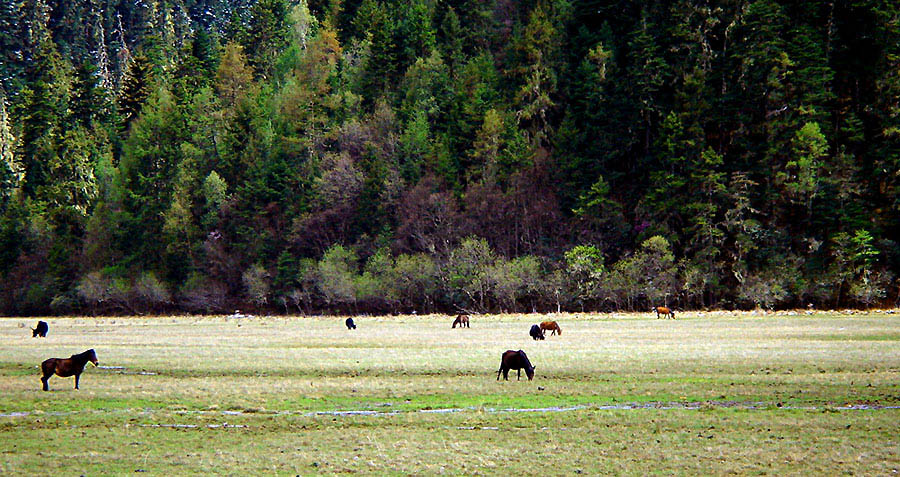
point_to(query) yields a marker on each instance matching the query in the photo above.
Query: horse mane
(525, 357)
(84, 355)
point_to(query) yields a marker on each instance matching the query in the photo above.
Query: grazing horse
(664, 311)
(515, 360)
(552, 326)
(41, 330)
(536, 332)
(462, 321)
(65, 367)
(350, 324)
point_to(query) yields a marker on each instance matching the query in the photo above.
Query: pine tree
(382, 65)
(266, 36)
(649, 73)
(450, 40)
(146, 177)
(10, 173)
(136, 88)
(90, 101)
(12, 46)
(44, 101)
(233, 77)
(415, 36)
(535, 64)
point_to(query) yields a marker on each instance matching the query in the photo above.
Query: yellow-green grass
(707, 393)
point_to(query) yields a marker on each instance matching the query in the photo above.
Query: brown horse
(65, 367)
(664, 311)
(552, 326)
(462, 321)
(515, 360)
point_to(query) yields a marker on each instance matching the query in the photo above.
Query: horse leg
(44, 379)
(76, 380)
(498, 373)
(518, 374)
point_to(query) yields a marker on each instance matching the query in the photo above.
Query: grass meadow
(714, 393)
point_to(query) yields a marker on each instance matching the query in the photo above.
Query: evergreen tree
(90, 101)
(12, 46)
(146, 176)
(382, 66)
(450, 35)
(44, 101)
(136, 88)
(266, 36)
(649, 73)
(233, 78)
(10, 173)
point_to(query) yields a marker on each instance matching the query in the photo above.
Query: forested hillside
(443, 155)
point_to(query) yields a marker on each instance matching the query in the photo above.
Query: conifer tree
(136, 88)
(9, 168)
(266, 36)
(44, 101)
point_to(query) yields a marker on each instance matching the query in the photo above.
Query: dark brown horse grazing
(462, 321)
(536, 332)
(41, 330)
(552, 326)
(664, 311)
(65, 367)
(515, 360)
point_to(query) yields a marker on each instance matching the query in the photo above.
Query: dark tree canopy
(398, 155)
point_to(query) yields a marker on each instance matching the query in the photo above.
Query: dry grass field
(622, 393)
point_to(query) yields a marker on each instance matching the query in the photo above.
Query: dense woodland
(447, 155)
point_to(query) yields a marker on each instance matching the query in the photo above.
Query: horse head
(92, 357)
(529, 371)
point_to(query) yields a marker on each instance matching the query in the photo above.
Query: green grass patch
(712, 395)
(854, 337)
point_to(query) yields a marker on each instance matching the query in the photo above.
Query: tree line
(447, 155)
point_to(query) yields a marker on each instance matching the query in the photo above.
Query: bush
(151, 292)
(870, 288)
(203, 295)
(416, 281)
(335, 276)
(467, 271)
(256, 284)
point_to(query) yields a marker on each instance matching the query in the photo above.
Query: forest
(377, 156)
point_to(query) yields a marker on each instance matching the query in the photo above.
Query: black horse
(41, 330)
(536, 332)
(515, 360)
(350, 324)
(65, 367)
